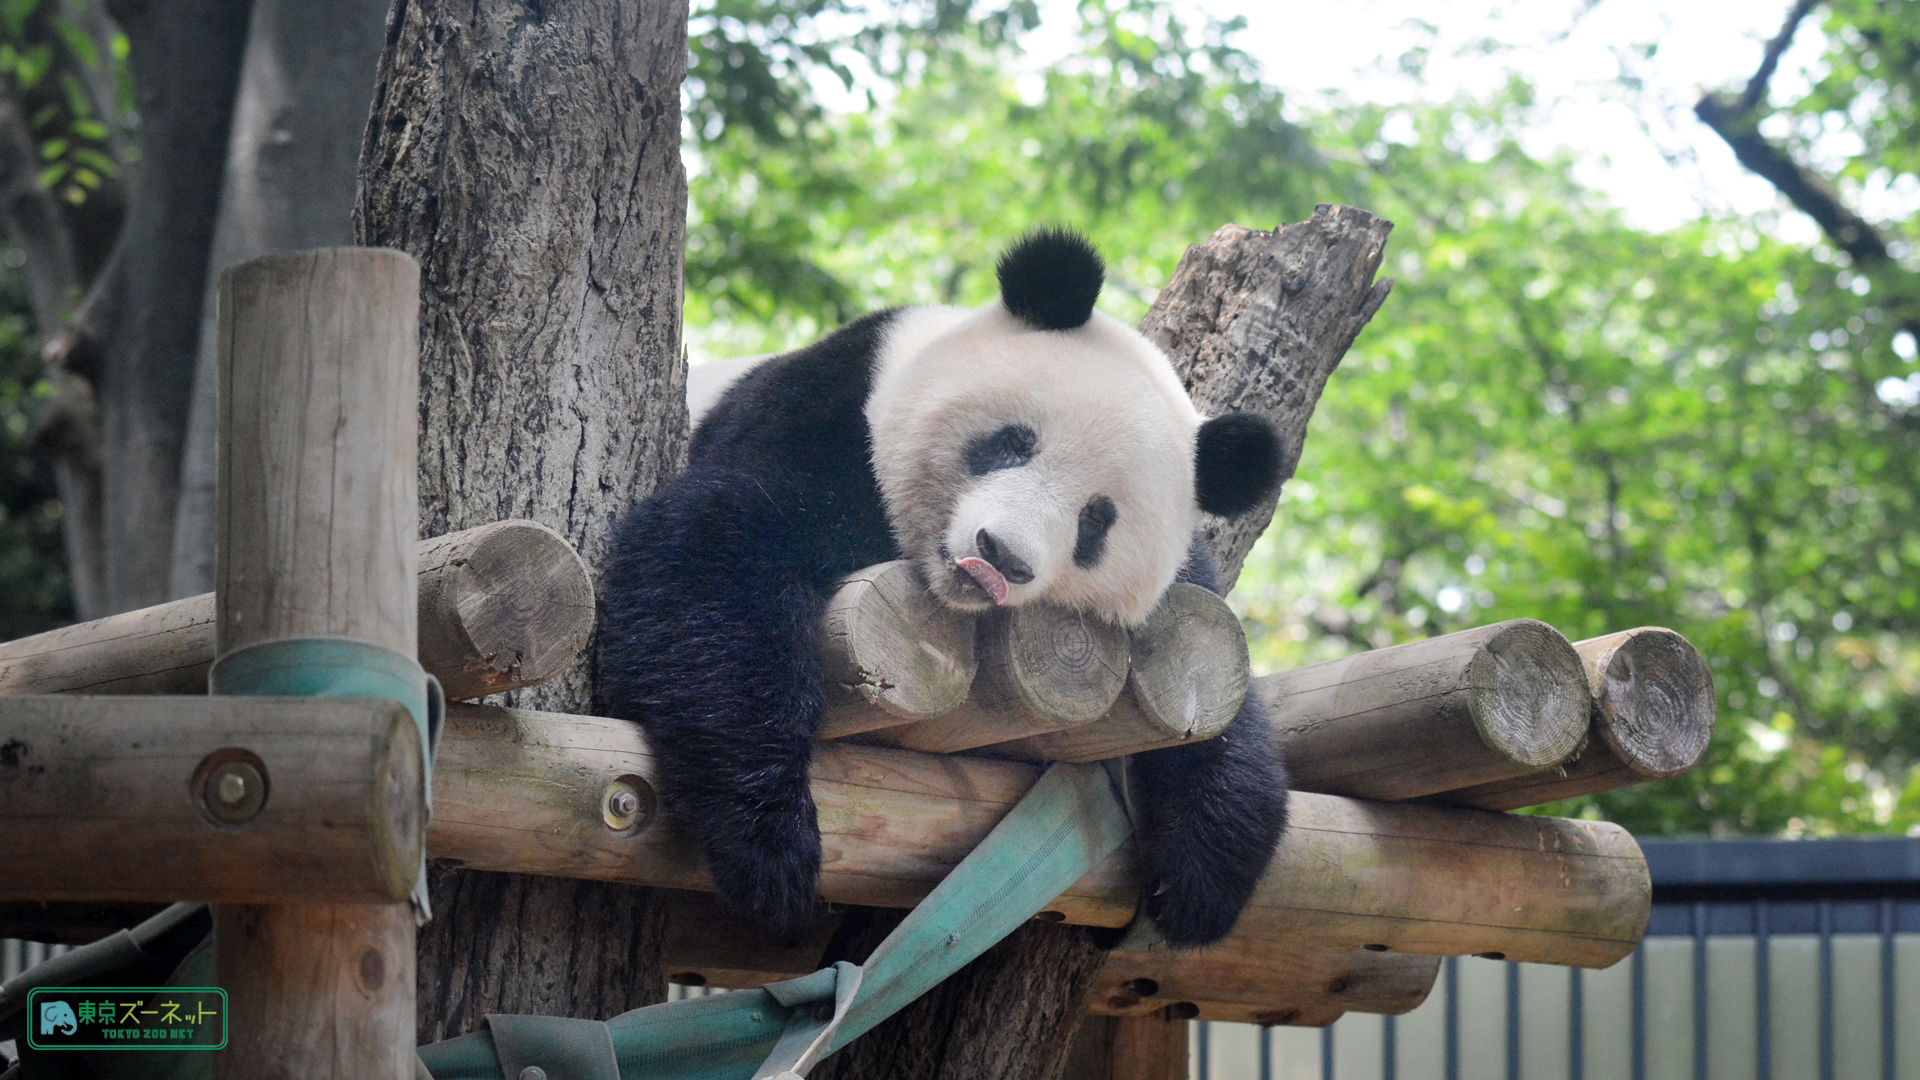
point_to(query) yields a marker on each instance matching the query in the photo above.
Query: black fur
(711, 595)
(1051, 278)
(1213, 813)
(1238, 463)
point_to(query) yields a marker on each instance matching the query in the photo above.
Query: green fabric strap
(343, 667)
(553, 1048)
(1070, 820)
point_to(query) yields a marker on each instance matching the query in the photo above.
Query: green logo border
(225, 1010)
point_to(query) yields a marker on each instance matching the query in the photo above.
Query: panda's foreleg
(709, 647)
(1208, 817)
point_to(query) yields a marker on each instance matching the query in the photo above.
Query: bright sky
(1645, 151)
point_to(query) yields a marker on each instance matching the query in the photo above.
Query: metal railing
(1771, 960)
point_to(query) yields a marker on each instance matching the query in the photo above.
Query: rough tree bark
(528, 156)
(292, 161)
(1254, 322)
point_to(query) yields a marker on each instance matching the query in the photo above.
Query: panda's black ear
(1051, 278)
(1237, 465)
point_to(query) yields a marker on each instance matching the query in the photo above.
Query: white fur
(708, 380)
(1111, 418)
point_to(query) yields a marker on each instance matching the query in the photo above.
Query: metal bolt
(533, 1072)
(232, 788)
(626, 806)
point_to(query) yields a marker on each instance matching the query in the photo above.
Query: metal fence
(1771, 960)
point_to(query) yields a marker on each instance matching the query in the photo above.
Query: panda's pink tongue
(985, 576)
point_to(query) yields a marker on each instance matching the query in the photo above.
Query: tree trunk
(529, 157)
(1254, 322)
(305, 84)
(186, 66)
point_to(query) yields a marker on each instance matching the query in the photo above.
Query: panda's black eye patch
(1009, 448)
(1096, 519)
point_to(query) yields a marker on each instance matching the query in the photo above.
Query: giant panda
(1030, 449)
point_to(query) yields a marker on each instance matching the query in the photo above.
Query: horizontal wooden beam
(241, 800)
(504, 606)
(1253, 982)
(1652, 717)
(1479, 706)
(528, 792)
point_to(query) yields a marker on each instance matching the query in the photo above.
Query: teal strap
(343, 667)
(558, 1048)
(1062, 828)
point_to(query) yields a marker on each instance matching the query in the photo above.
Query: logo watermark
(154, 1017)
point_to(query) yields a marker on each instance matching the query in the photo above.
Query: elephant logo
(56, 1017)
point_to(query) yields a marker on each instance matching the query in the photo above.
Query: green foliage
(1148, 139)
(70, 93)
(1555, 416)
(1561, 417)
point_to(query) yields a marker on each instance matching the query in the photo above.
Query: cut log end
(1189, 664)
(1062, 665)
(514, 606)
(1525, 699)
(1655, 696)
(889, 643)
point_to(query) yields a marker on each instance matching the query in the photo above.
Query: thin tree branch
(1737, 121)
(1756, 91)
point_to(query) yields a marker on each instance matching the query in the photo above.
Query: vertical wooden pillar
(1128, 1048)
(316, 518)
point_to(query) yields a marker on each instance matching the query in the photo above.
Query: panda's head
(1038, 449)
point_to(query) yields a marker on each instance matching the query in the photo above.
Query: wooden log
(1262, 982)
(1187, 677)
(1652, 717)
(503, 606)
(320, 803)
(521, 790)
(1129, 1048)
(1042, 669)
(892, 653)
(708, 945)
(1449, 712)
(317, 521)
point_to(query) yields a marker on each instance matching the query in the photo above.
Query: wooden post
(1043, 669)
(286, 799)
(1652, 716)
(1474, 707)
(316, 527)
(1129, 1048)
(503, 606)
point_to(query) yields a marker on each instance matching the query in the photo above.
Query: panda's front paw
(1189, 912)
(770, 871)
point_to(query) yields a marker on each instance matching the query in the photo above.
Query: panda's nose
(1010, 565)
